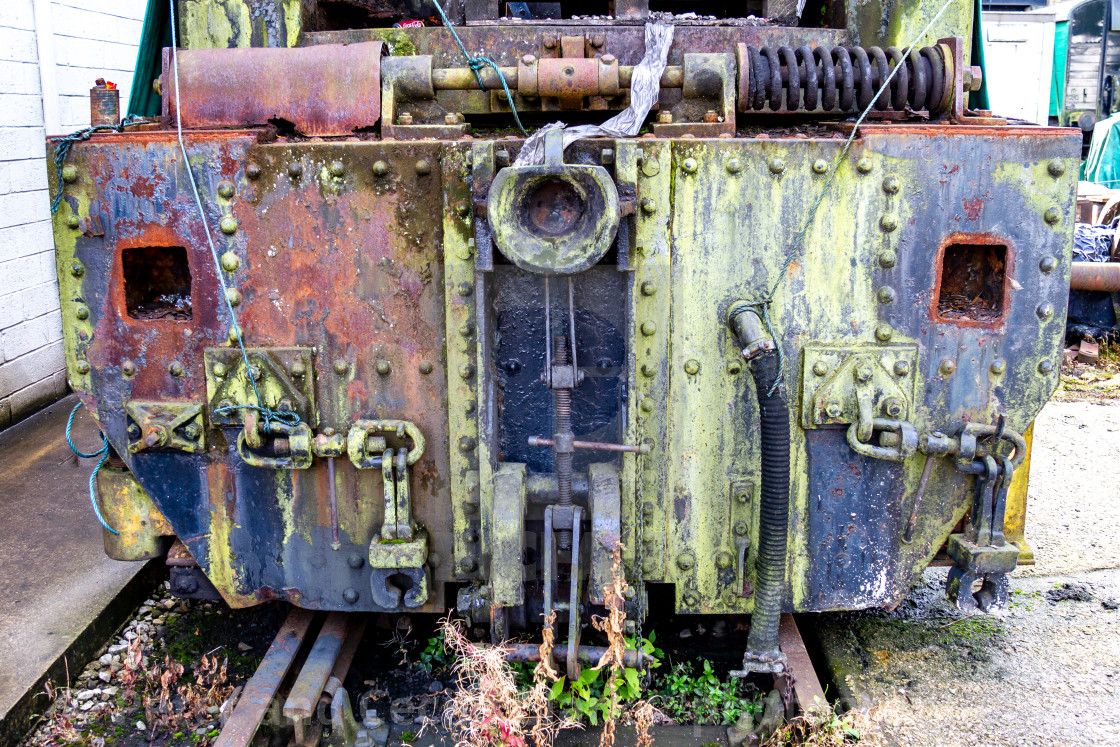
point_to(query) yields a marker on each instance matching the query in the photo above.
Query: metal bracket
(176, 426)
(845, 385)
(507, 536)
(560, 519)
(605, 503)
(707, 105)
(289, 447)
(981, 553)
(283, 376)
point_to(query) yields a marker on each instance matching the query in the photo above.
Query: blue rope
(269, 415)
(477, 63)
(103, 452)
(66, 141)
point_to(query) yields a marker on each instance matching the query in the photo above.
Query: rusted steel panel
(1095, 276)
(332, 89)
(264, 683)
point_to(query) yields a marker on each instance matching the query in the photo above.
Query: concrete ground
(57, 582)
(1047, 670)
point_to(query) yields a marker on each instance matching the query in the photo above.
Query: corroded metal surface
(324, 90)
(1095, 276)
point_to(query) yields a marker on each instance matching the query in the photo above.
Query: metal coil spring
(845, 79)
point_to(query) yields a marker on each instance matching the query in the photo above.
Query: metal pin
(572, 326)
(923, 481)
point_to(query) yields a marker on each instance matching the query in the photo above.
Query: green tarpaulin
(145, 102)
(1103, 164)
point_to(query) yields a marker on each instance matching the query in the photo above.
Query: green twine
(477, 63)
(762, 308)
(66, 141)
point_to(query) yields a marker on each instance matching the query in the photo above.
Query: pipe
(1095, 276)
(763, 652)
(464, 79)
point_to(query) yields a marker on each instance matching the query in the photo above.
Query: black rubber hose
(770, 566)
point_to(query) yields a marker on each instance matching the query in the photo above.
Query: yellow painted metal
(898, 24)
(1015, 520)
(77, 332)
(647, 164)
(217, 24)
(143, 532)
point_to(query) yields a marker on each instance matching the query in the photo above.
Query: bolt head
(901, 368)
(69, 174)
(134, 431)
(82, 367)
(863, 372)
(888, 259)
(350, 595)
(734, 367)
(341, 367)
(229, 225)
(833, 409)
(820, 166)
(464, 288)
(892, 407)
(466, 444)
(225, 189)
(233, 296)
(298, 369)
(355, 561)
(255, 372)
(295, 170)
(649, 371)
(741, 529)
(734, 166)
(469, 565)
(947, 367)
(689, 165)
(891, 185)
(234, 334)
(73, 221)
(649, 288)
(883, 332)
(425, 367)
(191, 431)
(252, 171)
(383, 367)
(692, 366)
(175, 369)
(608, 59)
(220, 370)
(1045, 310)
(466, 370)
(1048, 264)
(528, 59)
(777, 165)
(724, 559)
(888, 223)
(380, 168)
(77, 269)
(998, 367)
(128, 368)
(1056, 167)
(651, 167)
(1052, 216)
(647, 405)
(649, 207)
(886, 294)
(820, 368)
(82, 312)
(466, 329)
(423, 168)
(230, 262)
(685, 561)
(1045, 367)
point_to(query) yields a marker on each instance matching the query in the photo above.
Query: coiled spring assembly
(844, 79)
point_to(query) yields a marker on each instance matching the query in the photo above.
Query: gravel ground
(1046, 670)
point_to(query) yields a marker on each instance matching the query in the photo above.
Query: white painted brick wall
(88, 39)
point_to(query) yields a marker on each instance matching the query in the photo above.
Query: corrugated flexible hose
(770, 566)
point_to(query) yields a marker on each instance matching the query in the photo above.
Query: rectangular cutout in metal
(972, 283)
(157, 283)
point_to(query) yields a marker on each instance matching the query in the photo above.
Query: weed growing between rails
(820, 727)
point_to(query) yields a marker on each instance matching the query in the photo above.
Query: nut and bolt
(833, 409)
(255, 372)
(973, 78)
(892, 407)
(134, 431)
(863, 372)
(711, 116)
(741, 529)
(191, 431)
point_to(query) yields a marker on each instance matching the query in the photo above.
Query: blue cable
(103, 452)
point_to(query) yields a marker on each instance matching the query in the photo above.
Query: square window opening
(972, 283)
(157, 283)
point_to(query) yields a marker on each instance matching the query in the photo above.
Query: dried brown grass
(613, 625)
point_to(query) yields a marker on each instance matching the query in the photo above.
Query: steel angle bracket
(507, 536)
(165, 425)
(283, 377)
(605, 499)
(856, 384)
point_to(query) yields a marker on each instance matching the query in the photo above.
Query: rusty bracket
(409, 105)
(176, 426)
(707, 105)
(961, 80)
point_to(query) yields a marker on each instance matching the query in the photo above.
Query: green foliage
(435, 657)
(588, 698)
(688, 697)
(819, 728)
